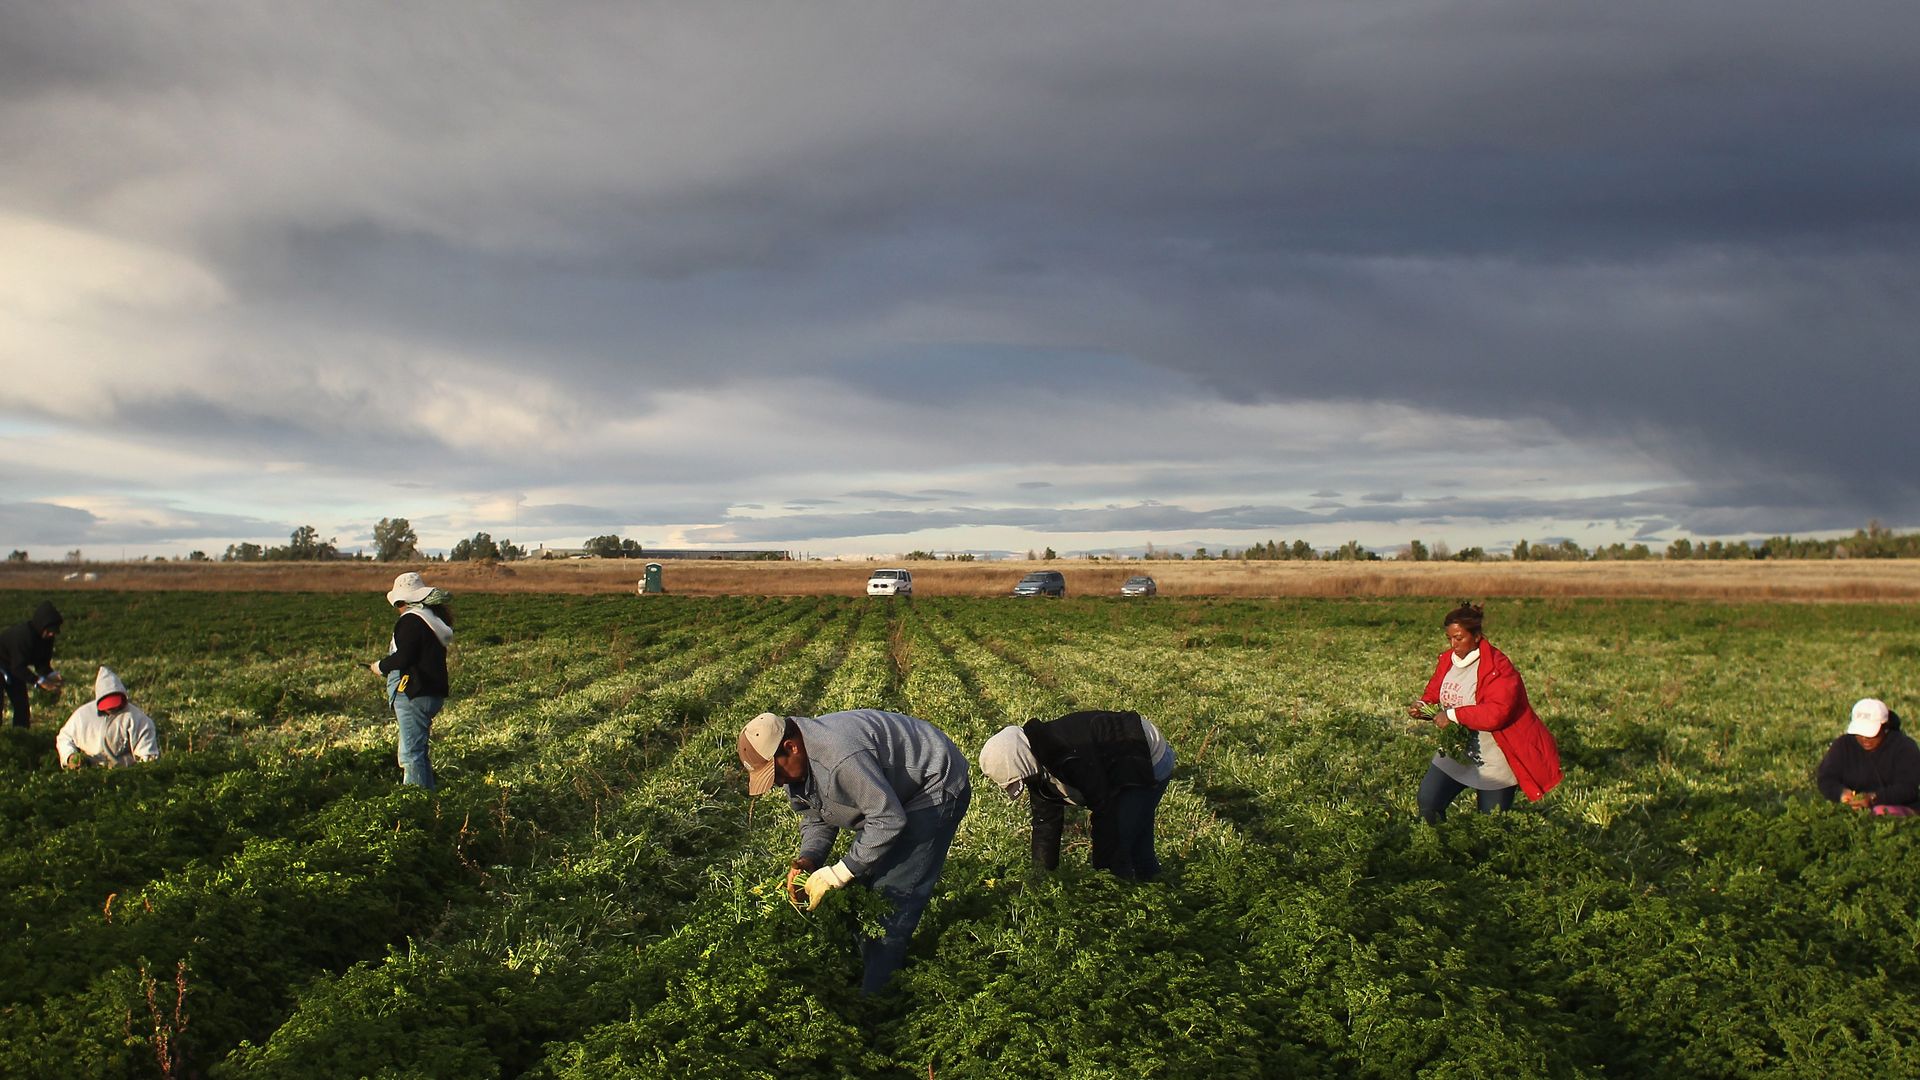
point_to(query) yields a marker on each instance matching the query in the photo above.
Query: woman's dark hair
(1468, 616)
(444, 612)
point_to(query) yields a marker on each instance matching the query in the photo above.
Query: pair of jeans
(17, 697)
(906, 877)
(1133, 811)
(1437, 789)
(416, 730)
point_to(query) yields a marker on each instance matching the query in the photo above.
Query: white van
(890, 583)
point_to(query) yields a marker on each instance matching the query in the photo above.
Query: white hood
(106, 682)
(1008, 760)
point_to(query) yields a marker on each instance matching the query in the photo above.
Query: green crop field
(590, 893)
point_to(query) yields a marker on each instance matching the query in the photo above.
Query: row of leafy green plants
(590, 893)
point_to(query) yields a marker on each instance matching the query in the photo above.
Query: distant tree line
(1876, 541)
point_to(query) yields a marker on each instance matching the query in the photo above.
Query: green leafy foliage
(591, 894)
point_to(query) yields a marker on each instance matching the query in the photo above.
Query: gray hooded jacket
(867, 770)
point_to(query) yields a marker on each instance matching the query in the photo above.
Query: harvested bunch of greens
(1456, 740)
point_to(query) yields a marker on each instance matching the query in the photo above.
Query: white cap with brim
(408, 588)
(1869, 717)
(759, 742)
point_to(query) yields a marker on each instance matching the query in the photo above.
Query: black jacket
(418, 654)
(1098, 754)
(24, 654)
(1891, 772)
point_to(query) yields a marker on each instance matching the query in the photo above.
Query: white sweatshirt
(114, 739)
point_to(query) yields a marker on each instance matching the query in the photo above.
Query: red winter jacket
(1500, 706)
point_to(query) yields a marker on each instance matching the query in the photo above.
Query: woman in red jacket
(1476, 686)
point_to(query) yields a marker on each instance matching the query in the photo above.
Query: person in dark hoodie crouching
(1873, 766)
(415, 668)
(1113, 763)
(26, 659)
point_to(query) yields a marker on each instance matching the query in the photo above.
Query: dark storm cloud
(1728, 512)
(1684, 229)
(23, 523)
(881, 495)
(42, 523)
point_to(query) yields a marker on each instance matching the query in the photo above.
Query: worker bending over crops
(1873, 766)
(108, 731)
(897, 781)
(1476, 686)
(1115, 764)
(26, 659)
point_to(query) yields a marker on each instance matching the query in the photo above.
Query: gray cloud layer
(1685, 234)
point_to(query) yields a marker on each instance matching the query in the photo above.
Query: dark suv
(1042, 583)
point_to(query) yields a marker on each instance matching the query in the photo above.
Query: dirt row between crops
(1840, 580)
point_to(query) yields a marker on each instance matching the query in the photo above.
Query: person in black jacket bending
(26, 659)
(415, 668)
(1874, 766)
(1113, 763)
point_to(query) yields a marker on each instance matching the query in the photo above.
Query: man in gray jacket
(898, 782)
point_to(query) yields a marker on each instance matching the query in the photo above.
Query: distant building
(659, 554)
(736, 554)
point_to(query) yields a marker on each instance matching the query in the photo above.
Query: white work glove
(823, 881)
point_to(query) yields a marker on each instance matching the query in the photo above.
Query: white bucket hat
(408, 588)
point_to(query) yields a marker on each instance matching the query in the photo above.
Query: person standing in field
(26, 659)
(1115, 764)
(1873, 765)
(1476, 685)
(897, 781)
(415, 668)
(110, 731)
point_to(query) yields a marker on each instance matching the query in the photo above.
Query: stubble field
(590, 893)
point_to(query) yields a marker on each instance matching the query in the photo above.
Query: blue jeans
(1437, 789)
(1133, 811)
(416, 728)
(906, 878)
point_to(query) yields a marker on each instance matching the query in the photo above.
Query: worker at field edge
(109, 731)
(1116, 764)
(1873, 765)
(415, 668)
(897, 781)
(26, 659)
(1479, 688)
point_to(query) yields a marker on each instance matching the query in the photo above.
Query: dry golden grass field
(1842, 580)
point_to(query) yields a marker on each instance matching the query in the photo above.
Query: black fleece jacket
(418, 654)
(1891, 771)
(1098, 754)
(23, 652)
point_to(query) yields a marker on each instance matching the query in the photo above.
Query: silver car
(1139, 586)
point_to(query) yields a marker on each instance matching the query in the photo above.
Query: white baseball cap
(1869, 717)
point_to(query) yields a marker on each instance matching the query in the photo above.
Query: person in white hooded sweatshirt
(415, 668)
(108, 731)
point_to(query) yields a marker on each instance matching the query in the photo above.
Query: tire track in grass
(673, 814)
(866, 676)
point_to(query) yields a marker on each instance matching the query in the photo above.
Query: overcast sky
(854, 278)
